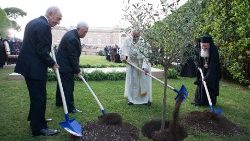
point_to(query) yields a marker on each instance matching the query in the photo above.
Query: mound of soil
(152, 130)
(96, 131)
(210, 122)
(172, 131)
(110, 119)
(151, 126)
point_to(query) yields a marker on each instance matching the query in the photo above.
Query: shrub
(172, 73)
(96, 76)
(101, 53)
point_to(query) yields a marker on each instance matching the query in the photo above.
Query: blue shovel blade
(217, 111)
(72, 126)
(182, 93)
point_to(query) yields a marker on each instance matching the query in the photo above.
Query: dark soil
(211, 123)
(152, 130)
(110, 119)
(96, 131)
(172, 131)
(152, 126)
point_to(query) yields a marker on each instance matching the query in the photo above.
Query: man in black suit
(67, 56)
(33, 62)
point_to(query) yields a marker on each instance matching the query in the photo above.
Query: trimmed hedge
(113, 76)
(96, 76)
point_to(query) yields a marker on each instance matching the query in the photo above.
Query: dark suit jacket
(68, 53)
(34, 58)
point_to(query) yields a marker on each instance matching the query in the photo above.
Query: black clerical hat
(206, 39)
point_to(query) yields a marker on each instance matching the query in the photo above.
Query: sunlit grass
(14, 106)
(94, 59)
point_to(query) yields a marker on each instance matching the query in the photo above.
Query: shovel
(70, 125)
(107, 118)
(94, 95)
(180, 93)
(212, 109)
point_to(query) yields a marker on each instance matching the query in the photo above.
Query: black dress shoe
(148, 104)
(46, 132)
(130, 103)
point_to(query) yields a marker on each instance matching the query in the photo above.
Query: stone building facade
(95, 40)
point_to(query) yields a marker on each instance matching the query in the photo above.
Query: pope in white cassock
(138, 86)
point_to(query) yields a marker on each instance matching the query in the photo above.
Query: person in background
(2, 52)
(68, 55)
(209, 62)
(33, 62)
(138, 86)
(188, 68)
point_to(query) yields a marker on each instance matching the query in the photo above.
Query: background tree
(13, 13)
(5, 23)
(228, 22)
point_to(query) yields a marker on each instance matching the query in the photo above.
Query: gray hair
(82, 24)
(52, 10)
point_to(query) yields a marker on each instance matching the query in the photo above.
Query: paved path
(116, 69)
(155, 72)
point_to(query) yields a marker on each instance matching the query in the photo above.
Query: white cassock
(138, 86)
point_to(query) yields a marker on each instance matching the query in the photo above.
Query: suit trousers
(68, 88)
(38, 97)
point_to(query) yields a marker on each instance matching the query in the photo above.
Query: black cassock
(212, 75)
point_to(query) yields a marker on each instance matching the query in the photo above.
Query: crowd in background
(112, 53)
(9, 50)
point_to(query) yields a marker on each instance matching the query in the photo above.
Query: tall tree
(165, 45)
(13, 13)
(5, 23)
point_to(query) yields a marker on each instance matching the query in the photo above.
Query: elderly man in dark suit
(33, 62)
(67, 56)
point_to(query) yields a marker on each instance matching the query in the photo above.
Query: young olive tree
(164, 38)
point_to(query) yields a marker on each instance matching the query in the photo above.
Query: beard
(204, 53)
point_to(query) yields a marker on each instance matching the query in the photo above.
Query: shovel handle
(151, 75)
(60, 84)
(205, 86)
(92, 92)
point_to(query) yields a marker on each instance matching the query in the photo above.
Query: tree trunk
(164, 104)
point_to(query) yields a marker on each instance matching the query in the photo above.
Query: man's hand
(56, 66)
(145, 71)
(124, 59)
(80, 74)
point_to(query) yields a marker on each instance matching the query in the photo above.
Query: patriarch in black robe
(209, 62)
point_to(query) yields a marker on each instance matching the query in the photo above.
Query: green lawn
(14, 107)
(94, 59)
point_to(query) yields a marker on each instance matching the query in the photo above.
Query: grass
(94, 59)
(14, 106)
